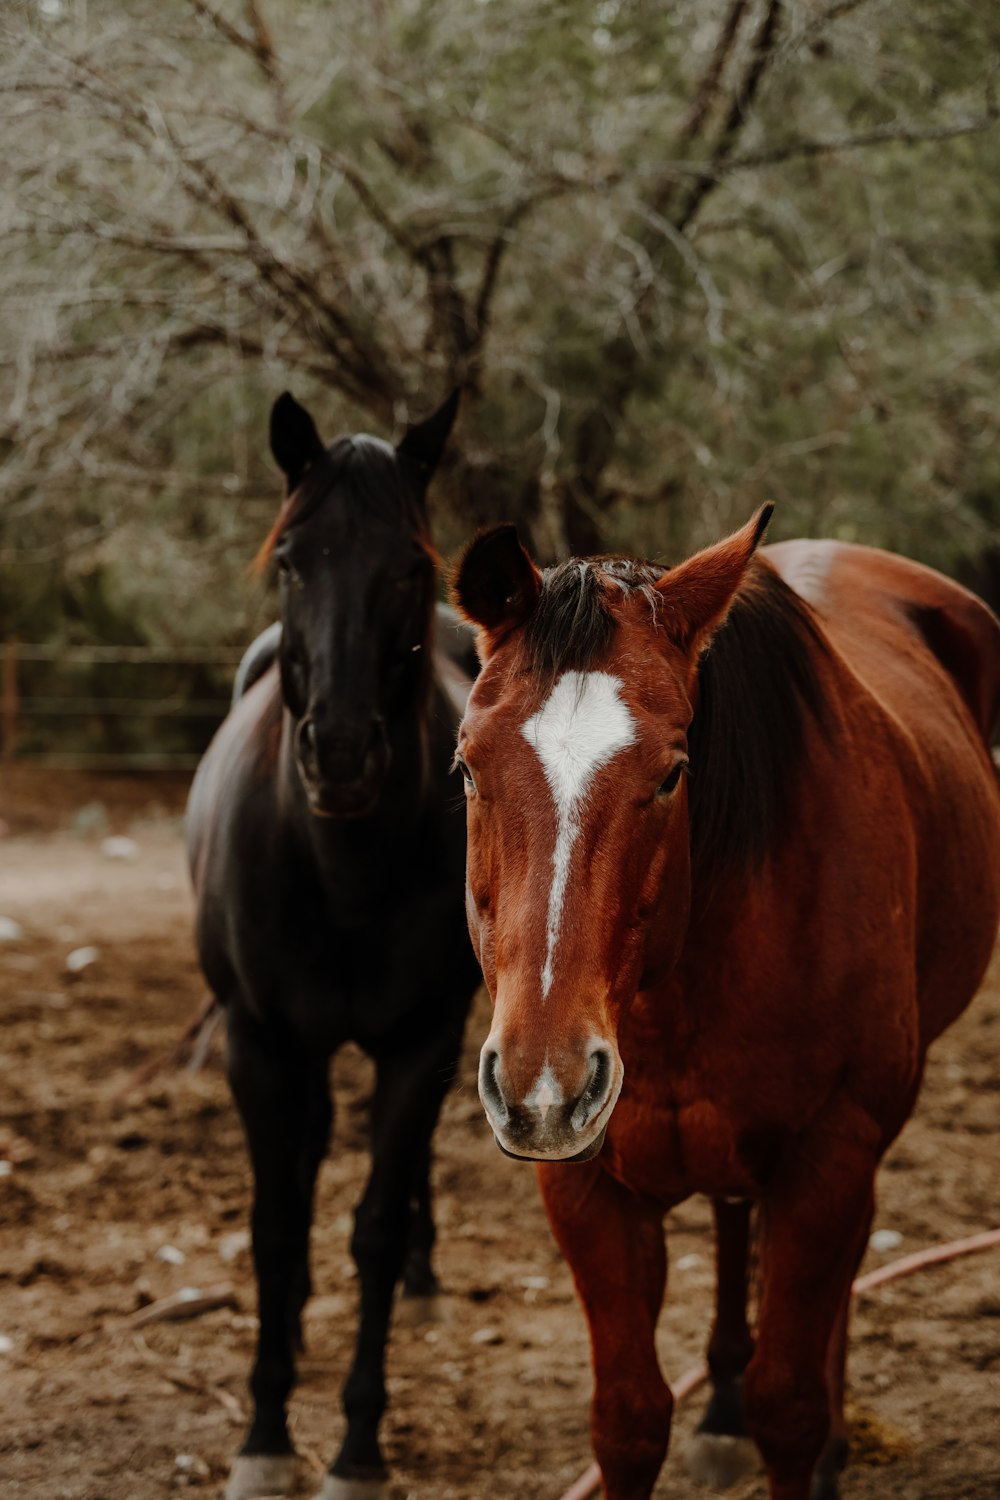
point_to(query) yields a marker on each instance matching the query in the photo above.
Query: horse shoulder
(231, 806)
(259, 655)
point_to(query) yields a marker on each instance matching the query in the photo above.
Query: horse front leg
(419, 1280)
(283, 1101)
(832, 1460)
(722, 1451)
(409, 1091)
(313, 1148)
(614, 1244)
(816, 1220)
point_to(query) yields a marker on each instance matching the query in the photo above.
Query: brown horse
(733, 864)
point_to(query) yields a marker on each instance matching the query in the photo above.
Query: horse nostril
(489, 1085)
(600, 1077)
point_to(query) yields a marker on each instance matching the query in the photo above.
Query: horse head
(356, 573)
(574, 750)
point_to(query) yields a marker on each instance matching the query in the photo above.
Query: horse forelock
(366, 472)
(574, 621)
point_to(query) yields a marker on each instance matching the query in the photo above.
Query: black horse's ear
(496, 585)
(424, 443)
(295, 442)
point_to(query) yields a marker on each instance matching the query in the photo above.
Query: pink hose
(589, 1483)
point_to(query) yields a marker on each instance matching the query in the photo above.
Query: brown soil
(490, 1400)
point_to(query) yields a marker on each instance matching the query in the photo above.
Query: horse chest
(669, 1150)
(368, 981)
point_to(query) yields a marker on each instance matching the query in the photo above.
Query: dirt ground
(108, 1201)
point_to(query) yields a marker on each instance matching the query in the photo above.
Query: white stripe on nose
(580, 727)
(546, 1092)
(544, 1100)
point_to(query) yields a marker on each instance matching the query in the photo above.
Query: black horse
(328, 856)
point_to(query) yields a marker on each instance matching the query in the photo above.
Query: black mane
(757, 683)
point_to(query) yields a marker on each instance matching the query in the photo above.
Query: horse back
(869, 600)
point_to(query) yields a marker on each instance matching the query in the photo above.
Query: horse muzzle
(342, 773)
(551, 1122)
(587, 1154)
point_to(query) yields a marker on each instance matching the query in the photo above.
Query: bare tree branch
(255, 41)
(708, 88)
(881, 135)
(494, 258)
(762, 54)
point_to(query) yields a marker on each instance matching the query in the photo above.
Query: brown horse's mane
(368, 467)
(757, 683)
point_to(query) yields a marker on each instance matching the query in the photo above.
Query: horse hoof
(259, 1476)
(719, 1460)
(419, 1279)
(336, 1488)
(415, 1312)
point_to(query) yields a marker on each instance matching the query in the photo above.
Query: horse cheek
(479, 919)
(666, 906)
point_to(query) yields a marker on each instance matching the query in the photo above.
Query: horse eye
(287, 571)
(458, 764)
(672, 781)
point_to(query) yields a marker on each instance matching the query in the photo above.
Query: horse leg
(614, 1243)
(419, 1279)
(276, 1093)
(816, 1217)
(313, 1149)
(409, 1090)
(722, 1451)
(835, 1453)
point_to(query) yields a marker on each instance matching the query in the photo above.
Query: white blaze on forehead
(581, 725)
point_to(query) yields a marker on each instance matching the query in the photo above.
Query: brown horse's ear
(697, 594)
(424, 443)
(295, 442)
(496, 585)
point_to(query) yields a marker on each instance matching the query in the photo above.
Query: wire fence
(111, 708)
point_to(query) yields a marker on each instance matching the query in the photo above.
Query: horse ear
(697, 594)
(295, 442)
(496, 585)
(424, 443)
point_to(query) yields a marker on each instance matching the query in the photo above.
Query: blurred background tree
(682, 258)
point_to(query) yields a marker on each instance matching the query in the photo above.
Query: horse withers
(328, 857)
(733, 864)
